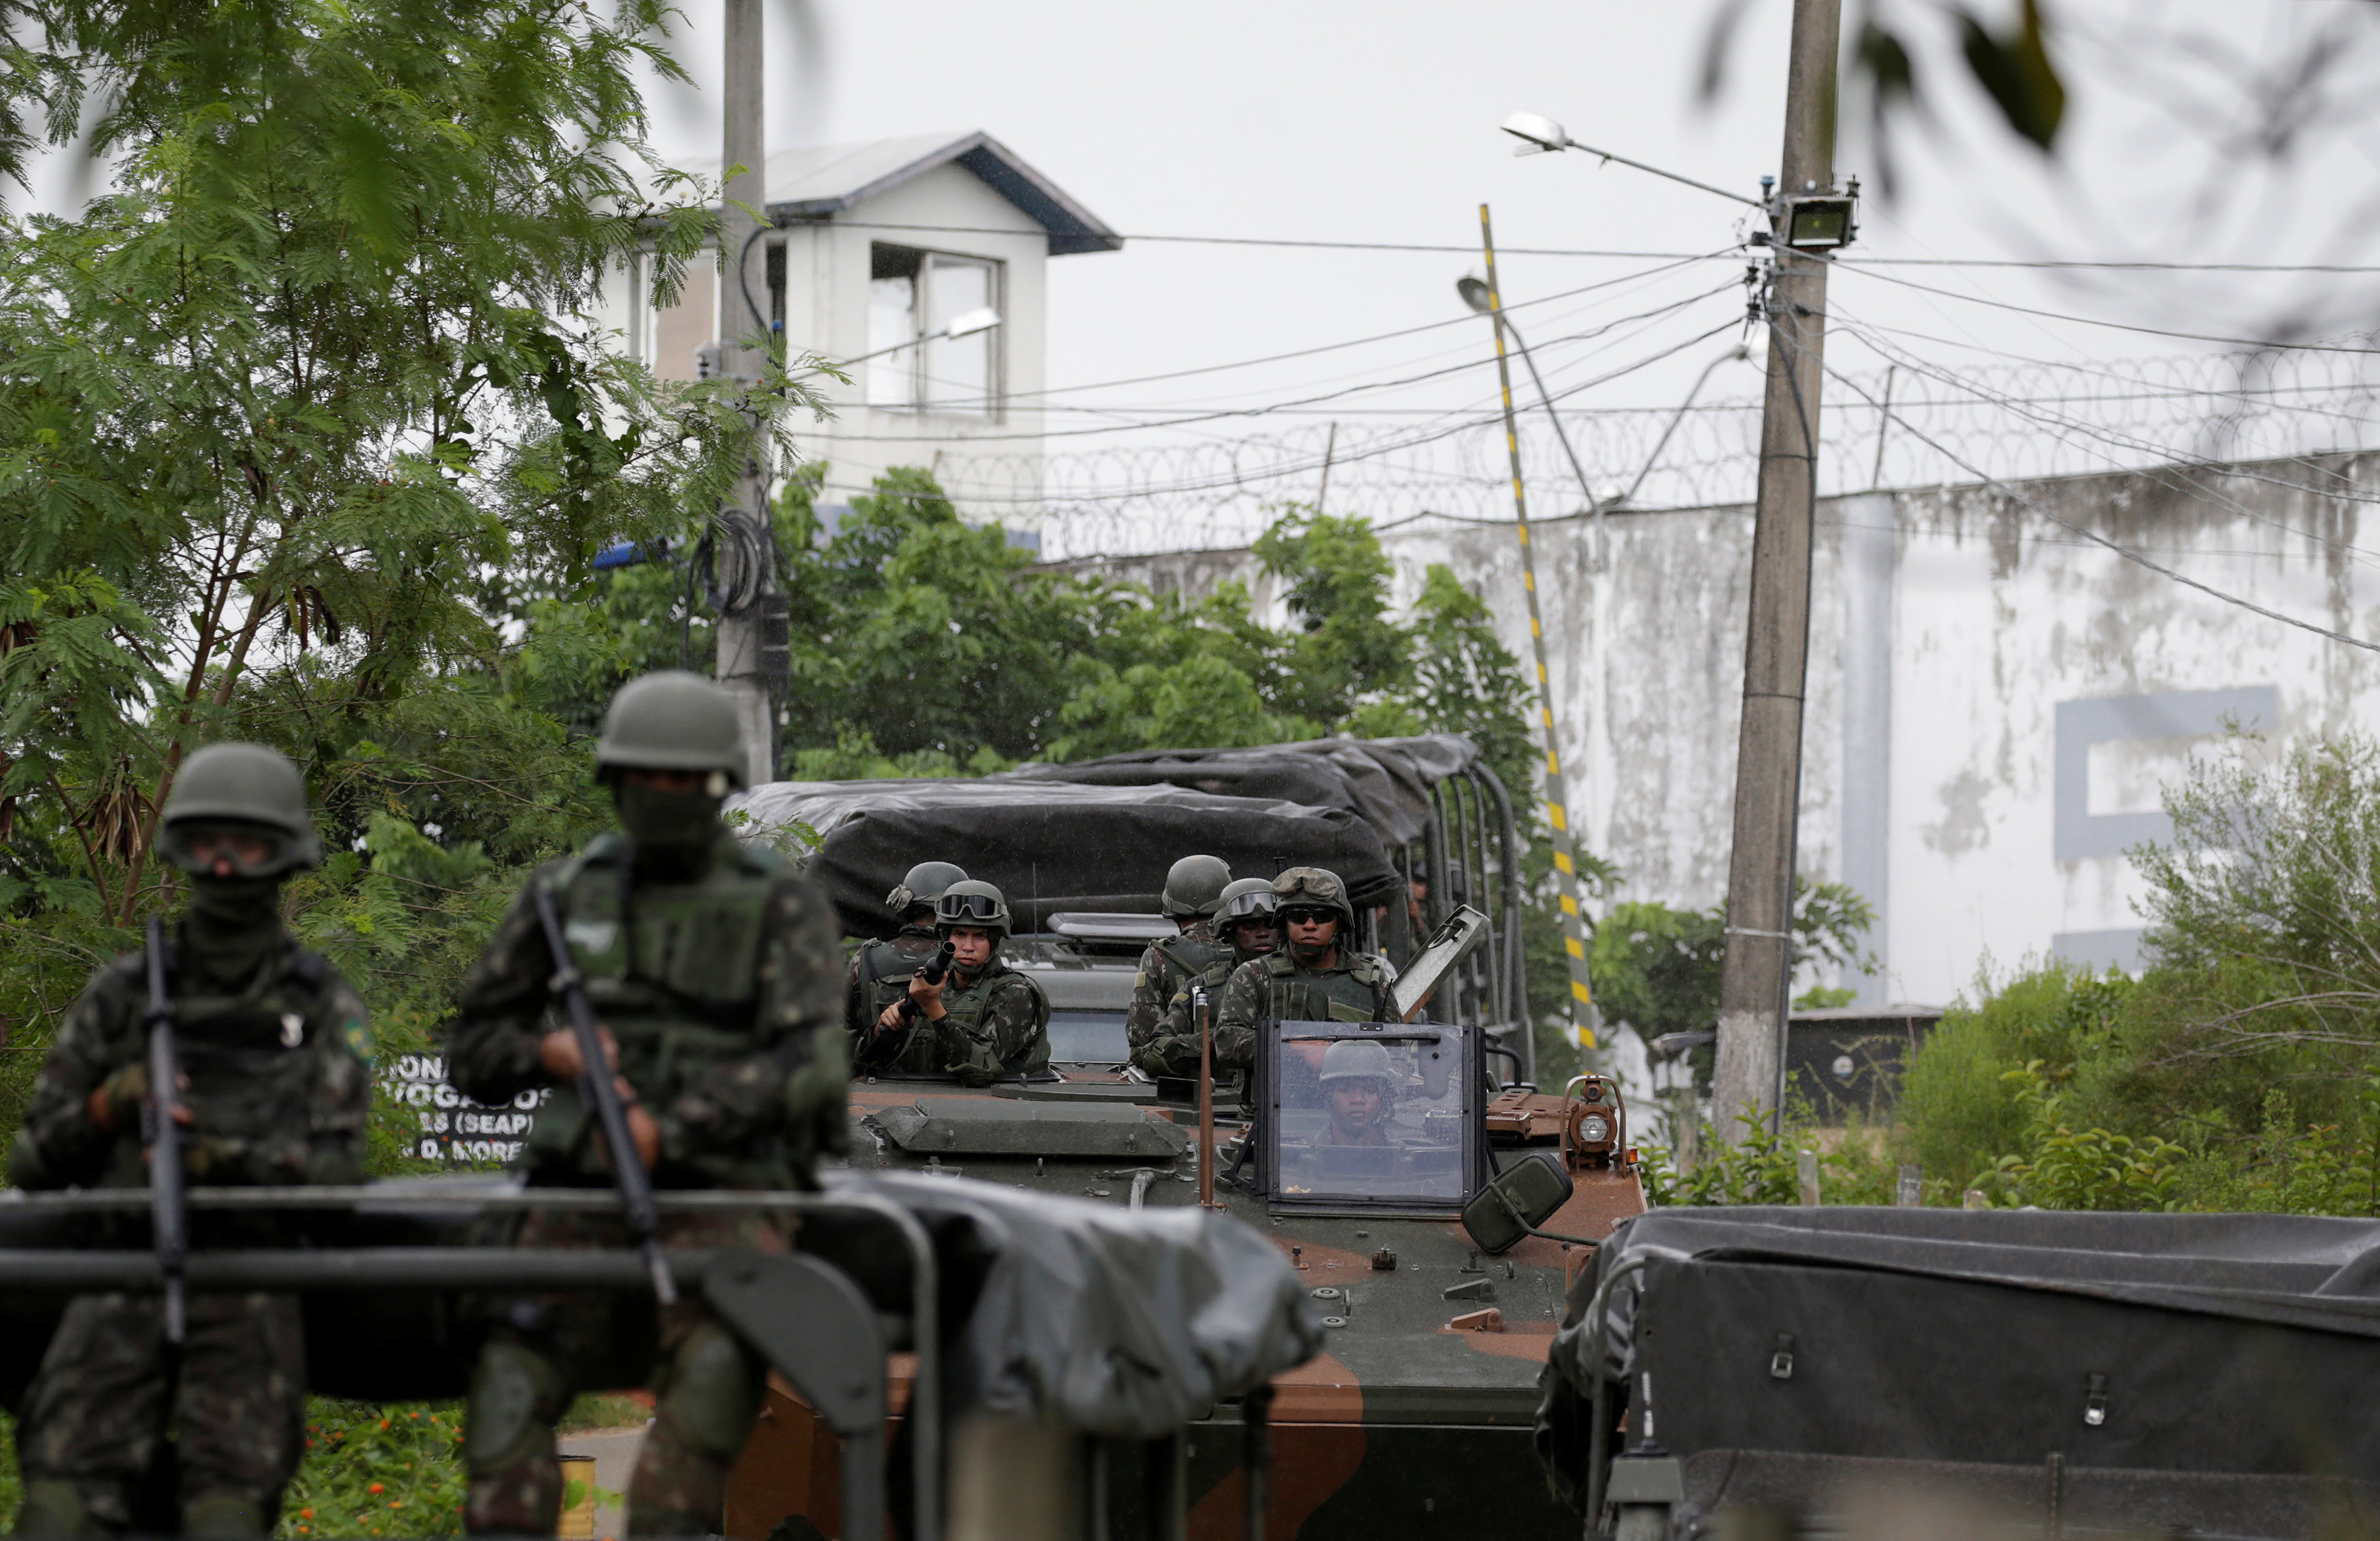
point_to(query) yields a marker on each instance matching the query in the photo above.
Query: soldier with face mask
(984, 1020)
(879, 976)
(1194, 886)
(277, 1089)
(1316, 976)
(712, 965)
(1245, 917)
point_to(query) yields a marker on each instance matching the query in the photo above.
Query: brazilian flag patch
(359, 1038)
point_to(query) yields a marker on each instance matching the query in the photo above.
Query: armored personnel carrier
(1437, 1252)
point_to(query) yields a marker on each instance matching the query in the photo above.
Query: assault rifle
(168, 1220)
(934, 970)
(595, 1085)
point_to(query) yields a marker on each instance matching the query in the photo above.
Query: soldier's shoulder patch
(357, 1032)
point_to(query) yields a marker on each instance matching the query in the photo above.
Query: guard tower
(877, 247)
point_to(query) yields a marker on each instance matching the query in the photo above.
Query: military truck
(1782, 1372)
(1439, 1259)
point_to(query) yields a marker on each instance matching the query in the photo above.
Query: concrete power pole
(753, 655)
(1758, 972)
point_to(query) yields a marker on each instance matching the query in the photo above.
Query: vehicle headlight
(1594, 1129)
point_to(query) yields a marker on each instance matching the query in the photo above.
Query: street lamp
(1539, 134)
(1476, 295)
(966, 324)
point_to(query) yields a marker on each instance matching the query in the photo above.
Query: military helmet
(1315, 886)
(673, 721)
(1352, 1059)
(245, 784)
(926, 882)
(971, 903)
(1246, 899)
(1194, 886)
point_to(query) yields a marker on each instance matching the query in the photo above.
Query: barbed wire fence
(2013, 420)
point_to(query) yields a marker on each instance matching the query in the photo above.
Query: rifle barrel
(168, 1218)
(610, 1115)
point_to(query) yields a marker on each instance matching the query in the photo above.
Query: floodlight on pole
(1540, 134)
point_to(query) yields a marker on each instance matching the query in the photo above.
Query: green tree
(306, 415)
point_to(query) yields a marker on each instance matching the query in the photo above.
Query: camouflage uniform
(1277, 988)
(997, 1023)
(275, 1049)
(712, 965)
(1167, 966)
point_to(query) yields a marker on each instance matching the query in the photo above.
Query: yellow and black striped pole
(1581, 1000)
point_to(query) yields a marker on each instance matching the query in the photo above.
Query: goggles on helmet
(1259, 905)
(961, 909)
(197, 845)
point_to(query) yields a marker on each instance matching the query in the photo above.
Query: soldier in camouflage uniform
(277, 1089)
(1318, 977)
(1250, 930)
(879, 975)
(984, 1020)
(711, 964)
(1194, 886)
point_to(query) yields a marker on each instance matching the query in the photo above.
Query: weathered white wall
(1993, 699)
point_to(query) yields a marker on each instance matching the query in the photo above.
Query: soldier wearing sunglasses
(1316, 976)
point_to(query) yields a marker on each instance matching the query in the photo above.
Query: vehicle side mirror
(1521, 1199)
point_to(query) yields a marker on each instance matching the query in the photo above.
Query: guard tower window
(912, 294)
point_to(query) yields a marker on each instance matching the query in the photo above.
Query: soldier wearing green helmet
(879, 973)
(275, 1089)
(712, 967)
(984, 1020)
(1316, 977)
(1247, 929)
(1193, 887)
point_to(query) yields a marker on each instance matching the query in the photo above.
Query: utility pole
(1757, 977)
(753, 652)
(1581, 1000)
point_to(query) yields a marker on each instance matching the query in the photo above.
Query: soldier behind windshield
(982, 1021)
(1248, 927)
(880, 971)
(711, 964)
(1316, 977)
(277, 1089)
(1194, 886)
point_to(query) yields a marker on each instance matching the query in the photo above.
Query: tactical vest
(885, 968)
(271, 1067)
(1192, 956)
(965, 1008)
(1353, 992)
(673, 970)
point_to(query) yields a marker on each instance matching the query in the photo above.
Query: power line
(1468, 364)
(1352, 342)
(2091, 535)
(2119, 326)
(1291, 243)
(1306, 465)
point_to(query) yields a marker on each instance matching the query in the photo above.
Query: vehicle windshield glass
(1369, 1117)
(1088, 1037)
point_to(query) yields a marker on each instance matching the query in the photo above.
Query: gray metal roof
(820, 181)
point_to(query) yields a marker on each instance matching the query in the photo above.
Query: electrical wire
(2117, 326)
(1307, 465)
(2161, 476)
(2094, 537)
(1654, 314)
(1290, 243)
